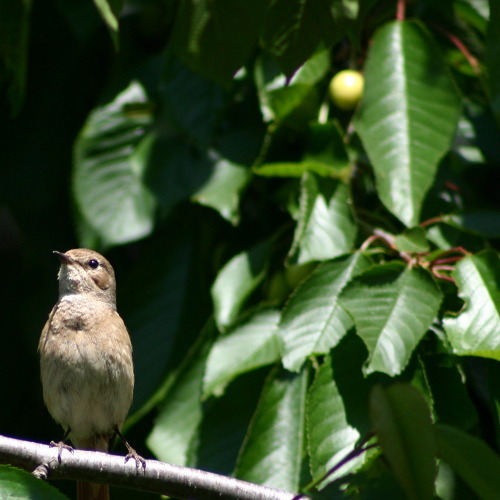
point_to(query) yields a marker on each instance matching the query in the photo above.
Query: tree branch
(158, 477)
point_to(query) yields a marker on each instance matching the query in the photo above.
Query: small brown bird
(86, 359)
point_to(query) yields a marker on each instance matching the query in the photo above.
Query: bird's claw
(61, 445)
(139, 461)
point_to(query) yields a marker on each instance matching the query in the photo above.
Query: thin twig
(358, 450)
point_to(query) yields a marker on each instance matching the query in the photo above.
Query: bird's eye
(94, 264)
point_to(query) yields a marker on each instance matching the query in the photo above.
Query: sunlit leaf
(313, 321)
(109, 10)
(178, 420)
(392, 308)
(325, 226)
(236, 281)
(223, 189)
(474, 331)
(291, 169)
(403, 426)
(107, 177)
(272, 452)
(279, 96)
(325, 155)
(408, 115)
(248, 345)
(330, 436)
(21, 485)
(412, 240)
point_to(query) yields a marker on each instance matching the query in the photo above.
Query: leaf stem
(401, 10)
(444, 268)
(449, 260)
(433, 220)
(442, 276)
(474, 63)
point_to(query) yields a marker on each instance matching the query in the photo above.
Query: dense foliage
(313, 293)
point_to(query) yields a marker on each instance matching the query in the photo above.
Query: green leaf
(325, 226)
(178, 421)
(250, 344)
(493, 56)
(180, 88)
(294, 29)
(472, 459)
(325, 155)
(412, 240)
(408, 115)
(21, 485)
(272, 452)
(392, 309)
(325, 146)
(468, 139)
(216, 38)
(473, 12)
(155, 309)
(176, 170)
(222, 191)
(292, 169)
(451, 399)
(490, 381)
(236, 281)
(402, 423)
(313, 321)
(485, 222)
(279, 96)
(330, 437)
(14, 31)
(108, 171)
(225, 423)
(109, 10)
(474, 331)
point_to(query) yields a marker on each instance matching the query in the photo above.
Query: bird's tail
(92, 491)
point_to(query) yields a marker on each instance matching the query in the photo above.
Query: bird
(86, 362)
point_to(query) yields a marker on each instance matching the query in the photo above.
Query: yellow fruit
(346, 89)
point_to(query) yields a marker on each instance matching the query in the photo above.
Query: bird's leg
(139, 461)
(61, 445)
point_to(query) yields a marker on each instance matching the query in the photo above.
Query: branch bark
(158, 477)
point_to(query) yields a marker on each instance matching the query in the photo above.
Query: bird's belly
(86, 388)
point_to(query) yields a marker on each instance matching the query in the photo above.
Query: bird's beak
(65, 259)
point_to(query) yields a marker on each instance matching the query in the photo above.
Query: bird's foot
(61, 445)
(139, 461)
